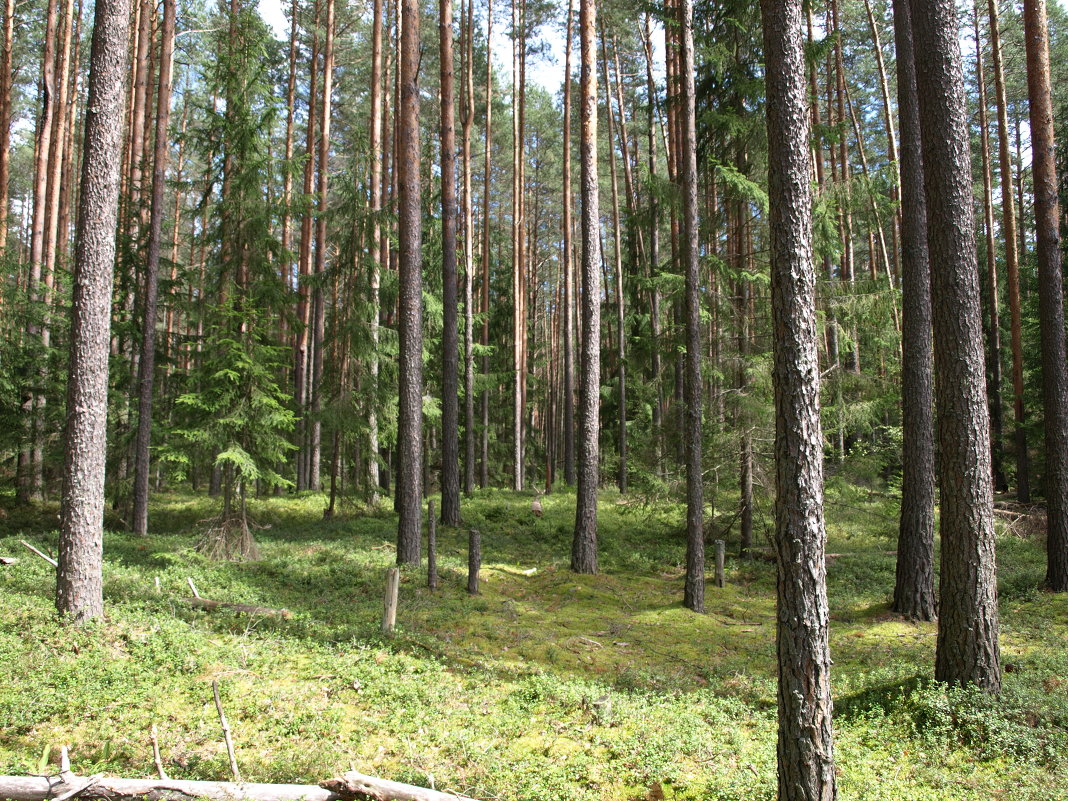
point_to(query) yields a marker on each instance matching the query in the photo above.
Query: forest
(533, 400)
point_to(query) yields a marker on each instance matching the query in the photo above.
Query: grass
(493, 695)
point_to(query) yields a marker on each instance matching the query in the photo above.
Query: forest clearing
(455, 400)
(493, 695)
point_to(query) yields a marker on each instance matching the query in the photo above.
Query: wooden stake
(226, 731)
(721, 547)
(389, 614)
(193, 587)
(474, 561)
(431, 548)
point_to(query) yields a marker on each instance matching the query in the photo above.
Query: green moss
(494, 695)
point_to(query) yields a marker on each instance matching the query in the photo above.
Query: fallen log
(50, 788)
(351, 787)
(355, 786)
(247, 609)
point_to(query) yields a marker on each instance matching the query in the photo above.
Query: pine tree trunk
(315, 443)
(6, 64)
(468, 212)
(147, 362)
(1050, 293)
(584, 544)
(1012, 262)
(410, 408)
(691, 265)
(967, 648)
(79, 584)
(483, 479)
(450, 346)
(914, 586)
(379, 248)
(805, 743)
(567, 265)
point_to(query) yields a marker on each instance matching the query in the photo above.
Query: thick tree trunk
(694, 596)
(584, 544)
(1050, 292)
(147, 362)
(914, 587)
(450, 346)
(805, 745)
(967, 649)
(410, 313)
(79, 584)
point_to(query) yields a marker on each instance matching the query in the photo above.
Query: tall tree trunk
(519, 316)
(1012, 261)
(914, 595)
(410, 409)
(967, 648)
(79, 583)
(468, 212)
(147, 363)
(483, 479)
(617, 255)
(695, 528)
(29, 475)
(315, 444)
(584, 544)
(805, 743)
(1050, 293)
(450, 346)
(379, 248)
(567, 264)
(6, 65)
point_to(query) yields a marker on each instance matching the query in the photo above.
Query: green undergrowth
(546, 686)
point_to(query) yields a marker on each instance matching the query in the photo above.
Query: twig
(46, 557)
(226, 732)
(156, 755)
(193, 587)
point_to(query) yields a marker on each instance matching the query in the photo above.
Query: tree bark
(410, 312)
(6, 64)
(79, 584)
(914, 595)
(584, 544)
(567, 264)
(1012, 262)
(967, 648)
(468, 212)
(993, 338)
(147, 362)
(483, 479)
(1050, 292)
(450, 346)
(805, 742)
(694, 596)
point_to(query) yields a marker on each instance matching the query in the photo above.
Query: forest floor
(493, 696)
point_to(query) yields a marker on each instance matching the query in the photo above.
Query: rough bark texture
(450, 426)
(694, 595)
(5, 116)
(410, 412)
(1050, 292)
(914, 586)
(147, 363)
(967, 650)
(469, 253)
(79, 584)
(584, 544)
(805, 743)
